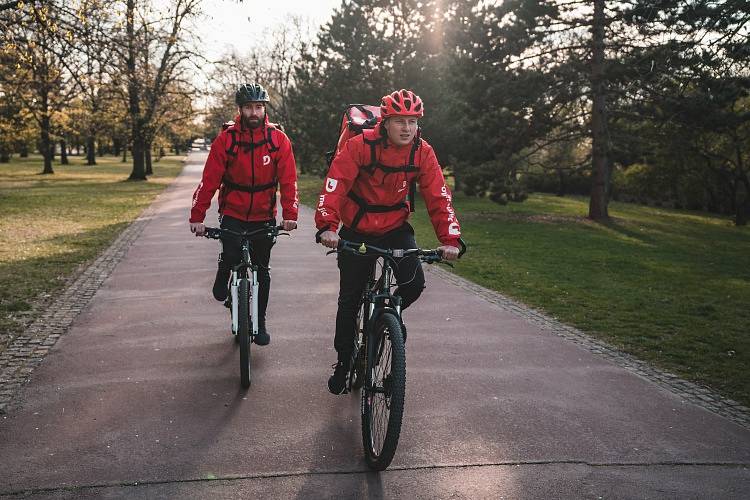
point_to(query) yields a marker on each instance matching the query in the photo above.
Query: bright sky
(230, 23)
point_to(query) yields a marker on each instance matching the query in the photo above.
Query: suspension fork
(244, 270)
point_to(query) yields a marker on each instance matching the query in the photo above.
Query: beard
(251, 122)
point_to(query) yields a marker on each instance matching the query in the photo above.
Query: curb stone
(29, 348)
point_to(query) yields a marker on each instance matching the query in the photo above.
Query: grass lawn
(53, 223)
(669, 286)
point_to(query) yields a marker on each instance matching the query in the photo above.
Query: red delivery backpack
(356, 118)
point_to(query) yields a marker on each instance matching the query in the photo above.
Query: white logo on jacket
(331, 185)
(453, 229)
(266, 159)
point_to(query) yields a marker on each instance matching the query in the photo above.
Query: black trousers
(354, 272)
(260, 253)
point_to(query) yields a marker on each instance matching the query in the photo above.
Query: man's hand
(198, 228)
(288, 225)
(448, 252)
(329, 239)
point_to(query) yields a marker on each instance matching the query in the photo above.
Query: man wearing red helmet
(367, 191)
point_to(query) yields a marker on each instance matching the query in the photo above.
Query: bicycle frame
(239, 272)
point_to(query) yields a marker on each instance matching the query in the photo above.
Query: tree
(368, 48)
(34, 37)
(155, 55)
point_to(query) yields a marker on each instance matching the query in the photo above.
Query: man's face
(253, 114)
(401, 129)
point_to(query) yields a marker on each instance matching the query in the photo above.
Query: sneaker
(337, 381)
(263, 338)
(221, 290)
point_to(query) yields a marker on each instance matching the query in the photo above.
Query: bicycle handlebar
(429, 256)
(215, 233)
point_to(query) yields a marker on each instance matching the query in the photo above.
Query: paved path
(141, 398)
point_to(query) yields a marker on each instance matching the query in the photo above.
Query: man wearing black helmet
(249, 160)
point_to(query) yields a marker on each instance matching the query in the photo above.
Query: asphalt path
(141, 397)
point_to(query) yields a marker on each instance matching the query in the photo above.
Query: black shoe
(263, 338)
(337, 381)
(220, 289)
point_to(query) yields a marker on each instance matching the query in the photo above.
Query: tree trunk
(137, 132)
(147, 155)
(598, 203)
(124, 155)
(78, 149)
(4, 156)
(46, 147)
(90, 152)
(562, 186)
(742, 212)
(24, 153)
(63, 153)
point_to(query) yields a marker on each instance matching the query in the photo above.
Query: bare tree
(155, 55)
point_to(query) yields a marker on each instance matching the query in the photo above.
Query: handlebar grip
(463, 247)
(320, 231)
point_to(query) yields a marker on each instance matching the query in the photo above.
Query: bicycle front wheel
(359, 359)
(243, 333)
(383, 393)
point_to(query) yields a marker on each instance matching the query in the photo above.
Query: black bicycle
(378, 364)
(243, 291)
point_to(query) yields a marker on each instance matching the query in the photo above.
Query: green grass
(53, 223)
(669, 286)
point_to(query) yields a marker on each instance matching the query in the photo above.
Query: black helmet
(250, 92)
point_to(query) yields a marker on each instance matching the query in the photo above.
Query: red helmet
(401, 102)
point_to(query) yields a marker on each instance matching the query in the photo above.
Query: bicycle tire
(384, 391)
(243, 333)
(359, 360)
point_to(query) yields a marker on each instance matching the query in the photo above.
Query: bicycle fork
(234, 287)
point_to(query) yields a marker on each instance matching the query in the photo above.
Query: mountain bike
(378, 364)
(243, 291)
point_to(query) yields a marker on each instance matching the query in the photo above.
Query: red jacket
(248, 169)
(353, 181)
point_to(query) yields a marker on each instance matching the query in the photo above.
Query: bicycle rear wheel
(243, 333)
(384, 391)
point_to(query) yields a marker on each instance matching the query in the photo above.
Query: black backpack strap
(373, 143)
(248, 188)
(232, 149)
(272, 148)
(365, 207)
(412, 157)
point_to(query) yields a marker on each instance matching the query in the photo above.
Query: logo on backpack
(331, 185)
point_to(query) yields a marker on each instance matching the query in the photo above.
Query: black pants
(354, 272)
(260, 253)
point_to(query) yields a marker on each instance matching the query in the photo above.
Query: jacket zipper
(252, 173)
